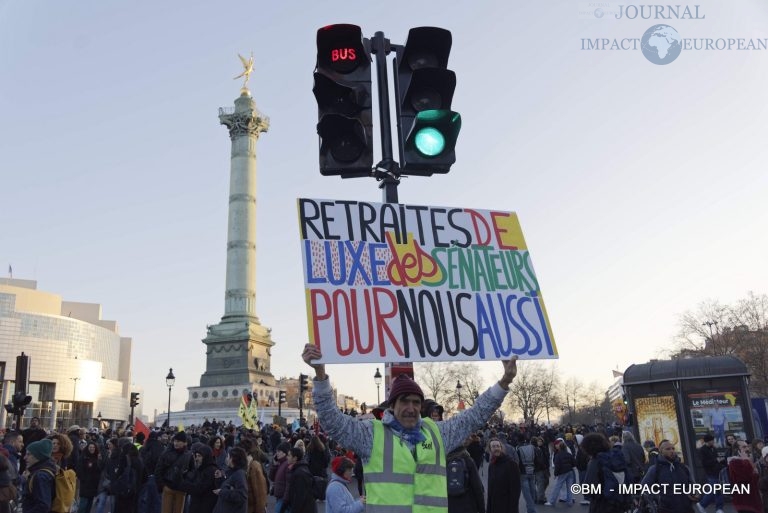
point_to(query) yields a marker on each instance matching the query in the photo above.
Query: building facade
(80, 366)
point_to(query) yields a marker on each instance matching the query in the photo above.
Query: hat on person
(181, 436)
(41, 449)
(404, 385)
(708, 438)
(336, 464)
(73, 427)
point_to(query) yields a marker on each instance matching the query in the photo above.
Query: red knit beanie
(404, 385)
(337, 465)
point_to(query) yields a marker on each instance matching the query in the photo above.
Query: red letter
(313, 295)
(381, 316)
(481, 239)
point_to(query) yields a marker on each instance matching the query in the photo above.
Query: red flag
(140, 427)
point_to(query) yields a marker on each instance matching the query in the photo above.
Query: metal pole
(169, 407)
(391, 178)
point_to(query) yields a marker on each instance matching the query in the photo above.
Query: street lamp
(170, 379)
(377, 380)
(458, 392)
(74, 396)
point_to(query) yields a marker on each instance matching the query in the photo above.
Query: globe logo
(661, 44)
(599, 13)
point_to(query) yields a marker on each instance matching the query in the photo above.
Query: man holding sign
(403, 455)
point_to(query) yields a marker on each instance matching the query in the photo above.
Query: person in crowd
(712, 467)
(257, 480)
(219, 452)
(730, 446)
(299, 497)
(169, 472)
(201, 481)
(564, 463)
(472, 500)
(8, 491)
(278, 474)
(318, 457)
(601, 458)
(233, 493)
(338, 498)
(742, 471)
(13, 443)
(526, 455)
(670, 470)
(475, 449)
(504, 485)
(542, 469)
(89, 472)
(634, 456)
(421, 444)
(652, 453)
(75, 435)
(31, 434)
(39, 477)
(757, 449)
(130, 470)
(62, 449)
(150, 452)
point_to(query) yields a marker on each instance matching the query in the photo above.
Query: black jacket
(670, 472)
(172, 466)
(563, 462)
(503, 485)
(201, 482)
(709, 461)
(473, 500)
(233, 494)
(300, 498)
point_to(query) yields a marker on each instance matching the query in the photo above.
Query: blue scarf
(411, 436)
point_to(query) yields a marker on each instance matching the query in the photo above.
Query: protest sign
(394, 282)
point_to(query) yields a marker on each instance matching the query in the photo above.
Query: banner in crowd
(394, 282)
(247, 411)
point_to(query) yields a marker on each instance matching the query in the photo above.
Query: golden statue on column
(247, 70)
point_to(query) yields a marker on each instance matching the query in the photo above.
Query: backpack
(319, 484)
(64, 487)
(527, 454)
(457, 474)
(613, 474)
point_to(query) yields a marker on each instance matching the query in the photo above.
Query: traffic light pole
(388, 170)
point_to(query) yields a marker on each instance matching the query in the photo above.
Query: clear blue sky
(640, 188)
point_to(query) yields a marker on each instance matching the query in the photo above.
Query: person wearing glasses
(742, 471)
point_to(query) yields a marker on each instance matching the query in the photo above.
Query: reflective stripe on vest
(398, 482)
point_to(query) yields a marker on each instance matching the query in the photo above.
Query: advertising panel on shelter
(718, 414)
(408, 283)
(657, 420)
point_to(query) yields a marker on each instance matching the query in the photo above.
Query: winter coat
(133, 466)
(593, 476)
(181, 460)
(299, 497)
(318, 461)
(257, 487)
(741, 472)
(278, 475)
(634, 456)
(670, 473)
(475, 450)
(503, 485)
(338, 498)
(150, 453)
(39, 487)
(200, 483)
(563, 462)
(89, 473)
(233, 494)
(473, 500)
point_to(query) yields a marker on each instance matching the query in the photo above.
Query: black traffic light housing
(303, 385)
(342, 87)
(19, 402)
(281, 397)
(427, 127)
(134, 399)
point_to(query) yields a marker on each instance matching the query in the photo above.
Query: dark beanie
(181, 436)
(41, 449)
(404, 385)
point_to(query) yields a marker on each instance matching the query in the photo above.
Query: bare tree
(572, 394)
(434, 379)
(740, 330)
(530, 390)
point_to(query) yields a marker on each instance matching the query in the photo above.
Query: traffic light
(343, 91)
(281, 397)
(427, 127)
(303, 386)
(19, 403)
(134, 399)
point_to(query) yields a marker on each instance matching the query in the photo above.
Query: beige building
(80, 365)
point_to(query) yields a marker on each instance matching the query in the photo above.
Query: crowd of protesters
(222, 468)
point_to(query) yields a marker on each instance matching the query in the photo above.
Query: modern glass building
(80, 366)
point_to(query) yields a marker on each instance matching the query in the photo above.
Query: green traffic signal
(434, 133)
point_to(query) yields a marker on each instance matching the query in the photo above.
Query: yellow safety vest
(396, 481)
